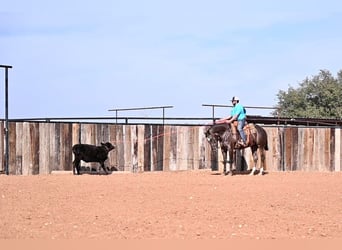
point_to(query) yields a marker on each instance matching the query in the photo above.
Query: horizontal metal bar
(227, 106)
(142, 108)
(251, 118)
(109, 118)
(6, 66)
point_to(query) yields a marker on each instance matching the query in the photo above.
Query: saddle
(249, 130)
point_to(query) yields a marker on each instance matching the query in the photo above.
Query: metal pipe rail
(6, 67)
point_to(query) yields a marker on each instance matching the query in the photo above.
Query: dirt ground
(172, 205)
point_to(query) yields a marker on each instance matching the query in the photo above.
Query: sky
(82, 58)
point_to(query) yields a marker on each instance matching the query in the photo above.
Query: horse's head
(218, 133)
(212, 137)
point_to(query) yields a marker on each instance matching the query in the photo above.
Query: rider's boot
(242, 144)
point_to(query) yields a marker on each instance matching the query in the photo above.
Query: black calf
(91, 153)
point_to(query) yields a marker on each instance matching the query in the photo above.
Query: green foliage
(317, 97)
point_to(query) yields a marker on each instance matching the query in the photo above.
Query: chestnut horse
(227, 136)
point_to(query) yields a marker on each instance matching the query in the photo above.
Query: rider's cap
(235, 98)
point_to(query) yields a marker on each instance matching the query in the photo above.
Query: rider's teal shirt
(238, 110)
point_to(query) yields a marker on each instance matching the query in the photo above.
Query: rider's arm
(232, 118)
(223, 120)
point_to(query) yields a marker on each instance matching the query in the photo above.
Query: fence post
(6, 67)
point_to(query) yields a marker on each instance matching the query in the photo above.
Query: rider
(238, 113)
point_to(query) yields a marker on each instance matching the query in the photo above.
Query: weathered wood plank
(102, 133)
(328, 148)
(2, 147)
(113, 161)
(294, 154)
(308, 144)
(120, 152)
(202, 152)
(134, 148)
(102, 136)
(272, 157)
(196, 150)
(34, 135)
(75, 139)
(160, 147)
(173, 148)
(88, 136)
(338, 150)
(300, 149)
(53, 157)
(76, 133)
(181, 148)
(55, 143)
(141, 147)
(12, 136)
(154, 148)
(147, 148)
(288, 149)
(21, 142)
(166, 148)
(318, 153)
(44, 148)
(191, 145)
(66, 147)
(128, 148)
(30, 149)
(274, 154)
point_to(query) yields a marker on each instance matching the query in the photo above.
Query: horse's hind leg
(262, 156)
(255, 159)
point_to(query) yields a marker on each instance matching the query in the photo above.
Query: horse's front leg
(231, 160)
(224, 154)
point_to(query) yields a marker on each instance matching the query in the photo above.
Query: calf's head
(108, 146)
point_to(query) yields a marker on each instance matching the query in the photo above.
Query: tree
(317, 97)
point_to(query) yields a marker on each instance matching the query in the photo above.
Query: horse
(227, 135)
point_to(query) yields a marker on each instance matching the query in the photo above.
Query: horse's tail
(266, 145)
(263, 133)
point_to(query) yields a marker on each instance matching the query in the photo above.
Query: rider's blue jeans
(241, 124)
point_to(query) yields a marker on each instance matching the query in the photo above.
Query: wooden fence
(40, 148)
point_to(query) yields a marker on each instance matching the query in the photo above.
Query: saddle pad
(250, 128)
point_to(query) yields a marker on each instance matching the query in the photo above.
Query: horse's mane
(220, 127)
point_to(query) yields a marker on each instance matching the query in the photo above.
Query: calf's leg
(104, 167)
(76, 166)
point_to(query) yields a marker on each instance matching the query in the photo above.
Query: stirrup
(243, 144)
(240, 144)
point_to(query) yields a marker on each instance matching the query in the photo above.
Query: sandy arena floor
(172, 205)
